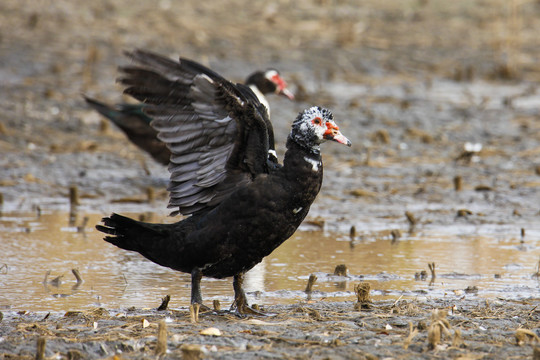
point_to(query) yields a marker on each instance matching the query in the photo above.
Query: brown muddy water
(491, 263)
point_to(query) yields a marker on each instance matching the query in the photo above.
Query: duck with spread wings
(239, 202)
(131, 119)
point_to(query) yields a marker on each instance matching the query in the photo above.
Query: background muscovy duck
(132, 120)
(242, 205)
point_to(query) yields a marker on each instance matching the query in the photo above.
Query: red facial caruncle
(278, 80)
(281, 85)
(331, 130)
(332, 133)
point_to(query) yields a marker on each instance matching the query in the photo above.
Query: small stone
(211, 331)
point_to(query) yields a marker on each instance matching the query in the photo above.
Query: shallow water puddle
(497, 264)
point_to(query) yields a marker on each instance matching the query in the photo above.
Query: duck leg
(196, 276)
(240, 300)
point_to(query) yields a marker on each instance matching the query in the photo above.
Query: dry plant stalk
(194, 312)
(412, 333)
(525, 335)
(362, 295)
(309, 287)
(161, 346)
(341, 270)
(458, 183)
(77, 275)
(434, 336)
(40, 352)
(439, 326)
(57, 281)
(362, 292)
(164, 303)
(352, 231)
(395, 234)
(431, 267)
(81, 228)
(411, 218)
(457, 341)
(74, 195)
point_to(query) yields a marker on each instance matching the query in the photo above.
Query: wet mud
(440, 100)
(398, 329)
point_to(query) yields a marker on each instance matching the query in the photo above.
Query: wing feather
(218, 132)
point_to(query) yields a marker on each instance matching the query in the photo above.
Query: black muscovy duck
(241, 204)
(132, 120)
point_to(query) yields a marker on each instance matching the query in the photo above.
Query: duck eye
(317, 121)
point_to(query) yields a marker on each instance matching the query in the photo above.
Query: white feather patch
(261, 97)
(207, 78)
(314, 163)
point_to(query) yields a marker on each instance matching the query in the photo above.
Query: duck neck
(260, 96)
(303, 144)
(303, 170)
(303, 159)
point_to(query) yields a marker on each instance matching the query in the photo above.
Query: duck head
(270, 81)
(314, 126)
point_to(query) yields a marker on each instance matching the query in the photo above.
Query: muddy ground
(410, 83)
(322, 330)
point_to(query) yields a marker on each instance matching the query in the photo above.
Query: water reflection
(33, 245)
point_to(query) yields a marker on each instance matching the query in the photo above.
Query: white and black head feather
(309, 127)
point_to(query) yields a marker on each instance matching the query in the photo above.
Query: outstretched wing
(217, 131)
